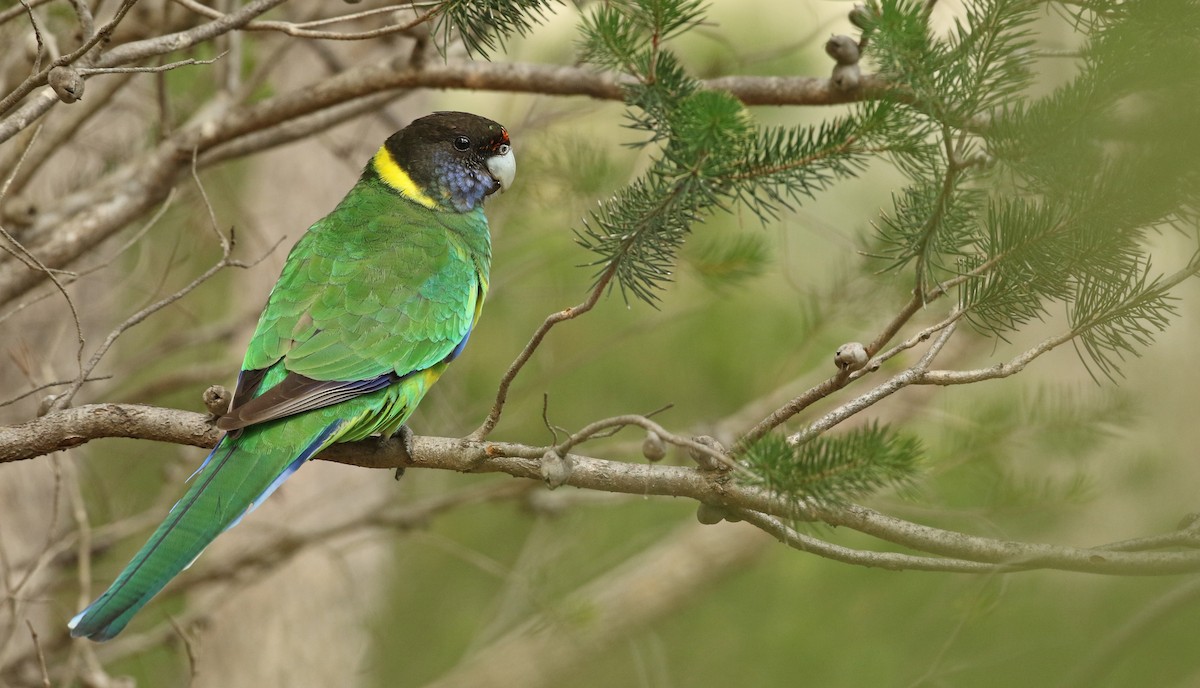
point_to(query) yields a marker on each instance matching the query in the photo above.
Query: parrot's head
(448, 160)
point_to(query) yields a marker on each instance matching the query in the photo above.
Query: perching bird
(374, 302)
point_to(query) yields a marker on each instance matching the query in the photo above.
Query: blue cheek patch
(465, 187)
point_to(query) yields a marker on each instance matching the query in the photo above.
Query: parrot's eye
(503, 149)
(462, 143)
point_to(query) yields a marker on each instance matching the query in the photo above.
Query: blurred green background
(1049, 455)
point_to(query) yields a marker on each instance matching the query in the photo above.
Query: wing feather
(347, 320)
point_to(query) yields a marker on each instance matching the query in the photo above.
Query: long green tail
(239, 474)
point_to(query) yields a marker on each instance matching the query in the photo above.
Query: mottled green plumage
(374, 302)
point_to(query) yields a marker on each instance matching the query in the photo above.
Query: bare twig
(1000, 370)
(26, 87)
(17, 10)
(1018, 362)
(298, 128)
(88, 71)
(791, 408)
(162, 209)
(87, 23)
(1012, 555)
(892, 561)
(182, 40)
(15, 593)
(227, 246)
(122, 54)
(535, 341)
(840, 380)
(34, 263)
(301, 30)
(592, 430)
(921, 299)
(37, 36)
(48, 385)
(844, 377)
(922, 336)
(136, 318)
(187, 645)
(41, 656)
(67, 127)
(895, 384)
(225, 242)
(83, 545)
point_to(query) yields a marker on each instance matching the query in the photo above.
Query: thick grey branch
(75, 426)
(72, 427)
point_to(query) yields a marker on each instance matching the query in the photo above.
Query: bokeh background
(1050, 455)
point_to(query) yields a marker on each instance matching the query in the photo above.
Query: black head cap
(454, 158)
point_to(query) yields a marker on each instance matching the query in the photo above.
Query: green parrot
(374, 302)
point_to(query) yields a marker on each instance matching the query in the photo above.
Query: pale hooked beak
(503, 167)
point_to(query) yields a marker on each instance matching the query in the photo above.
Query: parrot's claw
(406, 440)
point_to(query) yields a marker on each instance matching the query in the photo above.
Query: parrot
(373, 303)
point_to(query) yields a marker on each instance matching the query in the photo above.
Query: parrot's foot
(405, 436)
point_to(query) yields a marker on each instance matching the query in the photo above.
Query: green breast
(381, 284)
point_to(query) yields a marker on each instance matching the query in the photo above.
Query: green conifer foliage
(1024, 201)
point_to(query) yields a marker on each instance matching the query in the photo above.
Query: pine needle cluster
(831, 470)
(483, 25)
(1028, 205)
(1040, 206)
(709, 154)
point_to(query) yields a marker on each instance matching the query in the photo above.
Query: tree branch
(535, 341)
(72, 427)
(892, 561)
(880, 392)
(88, 217)
(122, 54)
(33, 81)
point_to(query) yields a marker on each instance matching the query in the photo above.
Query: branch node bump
(850, 356)
(216, 400)
(711, 514)
(46, 404)
(556, 469)
(706, 460)
(842, 49)
(653, 447)
(861, 17)
(67, 83)
(845, 52)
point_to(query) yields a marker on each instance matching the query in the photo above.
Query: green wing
(379, 289)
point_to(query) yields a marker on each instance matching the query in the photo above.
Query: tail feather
(239, 473)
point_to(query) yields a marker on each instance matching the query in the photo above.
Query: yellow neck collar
(394, 176)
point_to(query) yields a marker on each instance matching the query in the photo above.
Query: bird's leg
(406, 440)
